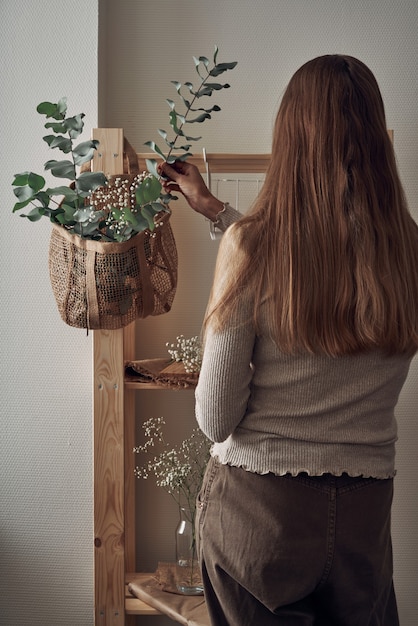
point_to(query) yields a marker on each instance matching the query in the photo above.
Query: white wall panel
(48, 50)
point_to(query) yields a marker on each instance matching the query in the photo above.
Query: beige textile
(163, 372)
(151, 588)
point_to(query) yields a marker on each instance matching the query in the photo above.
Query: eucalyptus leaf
(90, 181)
(183, 157)
(215, 54)
(173, 122)
(35, 214)
(61, 169)
(74, 125)
(21, 205)
(84, 151)
(56, 111)
(63, 143)
(148, 213)
(34, 181)
(69, 194)
(188, 138)
(148, 190)
(83, 215)
(152, 167)
(57, 127)
(155, 148)
(222, 67)
(200, 118)
(24, 194)
(142, 224)
(177, 85)
(190, 87)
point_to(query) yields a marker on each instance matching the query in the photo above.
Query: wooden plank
(108, 431)
(108, 157)
(129, 409)
(135, 606)
(224, 163)
(227, 163)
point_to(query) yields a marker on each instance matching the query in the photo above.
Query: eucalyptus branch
(177, 120)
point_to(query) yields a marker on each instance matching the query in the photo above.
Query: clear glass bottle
(188, 576)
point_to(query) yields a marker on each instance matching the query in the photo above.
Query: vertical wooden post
(108, 416)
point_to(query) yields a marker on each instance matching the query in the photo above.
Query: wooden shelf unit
(114, 423)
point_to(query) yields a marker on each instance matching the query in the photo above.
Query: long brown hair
(329, 241)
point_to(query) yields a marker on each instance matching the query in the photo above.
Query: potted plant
(124, 220)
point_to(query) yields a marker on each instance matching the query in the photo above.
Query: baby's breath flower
(179, 471)
(188, 351)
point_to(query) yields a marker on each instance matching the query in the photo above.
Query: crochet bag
(107, 285)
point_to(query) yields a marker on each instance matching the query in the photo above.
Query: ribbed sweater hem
(290, 457)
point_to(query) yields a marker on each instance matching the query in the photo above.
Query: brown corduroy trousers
(295, 551)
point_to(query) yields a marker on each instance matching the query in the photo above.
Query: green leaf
(177, 85)
(141, 224)
(63, 143)
(181, 157)
(56, 127)
(90, 181)
(199, 60)
(148, 213)
(35, 214)
(191, 138)
(83, 215)
(152, 167)
(170, 103)
(24, 194)
(84, 151)
(222, 67)
(154, 148)
(190, 88)
(61, 169)
(74, 125)
(200, 118)
(214, 108)
(215, 54)
(69, 194)
(208, 89)
(148, 190)
(56, 111)
(34, 181)
(164, 135)
(173, 116)
(21, 205)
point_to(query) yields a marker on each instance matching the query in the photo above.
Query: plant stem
(187, 113)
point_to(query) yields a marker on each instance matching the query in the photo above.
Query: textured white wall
(48, 50)
(150, 43)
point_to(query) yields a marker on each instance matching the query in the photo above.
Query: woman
(309, 333)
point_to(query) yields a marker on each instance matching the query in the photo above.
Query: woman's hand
(185, 178)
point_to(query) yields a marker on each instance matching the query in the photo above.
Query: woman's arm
(224, 381)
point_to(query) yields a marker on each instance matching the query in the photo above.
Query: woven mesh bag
(101, 285)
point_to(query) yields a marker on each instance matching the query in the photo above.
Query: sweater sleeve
(224, 380)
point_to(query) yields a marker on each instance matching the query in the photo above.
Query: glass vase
(187, 571)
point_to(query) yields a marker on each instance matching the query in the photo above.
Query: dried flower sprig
(179, 471)
(188, 351)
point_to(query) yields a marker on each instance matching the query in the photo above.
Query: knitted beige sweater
(270, 412)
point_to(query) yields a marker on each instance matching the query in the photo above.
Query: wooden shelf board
(135, 606)
(136, 384)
